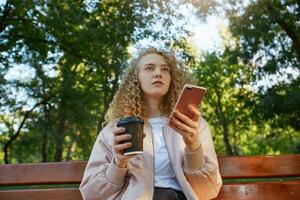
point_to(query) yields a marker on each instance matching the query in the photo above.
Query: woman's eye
(165, 69)
(149, 68)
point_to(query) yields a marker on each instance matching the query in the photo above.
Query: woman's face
(154, 75)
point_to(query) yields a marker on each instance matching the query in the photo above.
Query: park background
(62, 61)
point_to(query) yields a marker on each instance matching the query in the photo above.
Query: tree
(225, 104)
(84, 52)
(266, 41)
(269, 36)
(231, 107)
(76, 51)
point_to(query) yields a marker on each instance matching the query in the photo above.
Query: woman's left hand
(187, 127)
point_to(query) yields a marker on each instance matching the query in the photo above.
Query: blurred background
(61, 62)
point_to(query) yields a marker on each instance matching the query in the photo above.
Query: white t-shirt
(164, 174)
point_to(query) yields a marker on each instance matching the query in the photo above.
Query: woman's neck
(153, 108)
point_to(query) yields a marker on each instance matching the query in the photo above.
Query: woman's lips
(157, 83)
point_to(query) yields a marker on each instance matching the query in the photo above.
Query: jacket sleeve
(201, 166)
(102, 179)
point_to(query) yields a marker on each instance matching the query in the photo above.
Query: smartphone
(190, 95)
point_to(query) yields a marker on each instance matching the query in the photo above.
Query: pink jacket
(197, 173)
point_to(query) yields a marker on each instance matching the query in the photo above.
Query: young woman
(178, 161)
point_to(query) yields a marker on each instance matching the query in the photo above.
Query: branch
(9, 142)
(66, 48)
(288, 29)
(7, 9)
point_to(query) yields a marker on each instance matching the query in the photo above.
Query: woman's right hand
(119, 145)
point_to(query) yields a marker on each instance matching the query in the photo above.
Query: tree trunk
(235, 147)
(224, 124)
(71, 150)
(45, 134)
(108, 94)
(60, 133)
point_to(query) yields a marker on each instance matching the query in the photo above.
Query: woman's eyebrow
(149, 64)
(152, 64)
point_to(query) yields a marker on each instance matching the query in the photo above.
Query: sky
(206, 35)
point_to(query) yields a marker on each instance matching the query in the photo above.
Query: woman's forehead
(152, 58)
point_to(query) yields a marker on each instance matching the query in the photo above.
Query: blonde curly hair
(129, 99)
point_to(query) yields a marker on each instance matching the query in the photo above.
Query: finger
(125, 158)
(120, 138)
(179, 131)
(196, 113)
(173, 126)
(183, 129)
(118, 130)
(121, 147)
(185, 119)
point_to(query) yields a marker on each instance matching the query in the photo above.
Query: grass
(24, 187)
(247, 180)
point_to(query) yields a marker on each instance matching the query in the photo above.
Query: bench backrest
(233, 170)
(276, 169)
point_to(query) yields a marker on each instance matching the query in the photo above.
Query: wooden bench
(283, 173)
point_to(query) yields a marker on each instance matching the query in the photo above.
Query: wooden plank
(42, 173)
(245, 191)
(259, 166)
(72, 172)
(49, 194)
(289, 190)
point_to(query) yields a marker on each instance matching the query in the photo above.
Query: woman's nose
(157, 73)
(158, 76)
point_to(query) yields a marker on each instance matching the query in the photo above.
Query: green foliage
(76, 51)
(269, 29)
(266, 37)
(76, 56)
(239, 127)
(269, 32)
(225, 105)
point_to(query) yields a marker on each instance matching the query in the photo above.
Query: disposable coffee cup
(134, 126)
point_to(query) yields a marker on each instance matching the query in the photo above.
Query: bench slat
(42, 173)
(72, 172)
(247, 191)
(38, 194)
(289, 190)
(259, 166)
